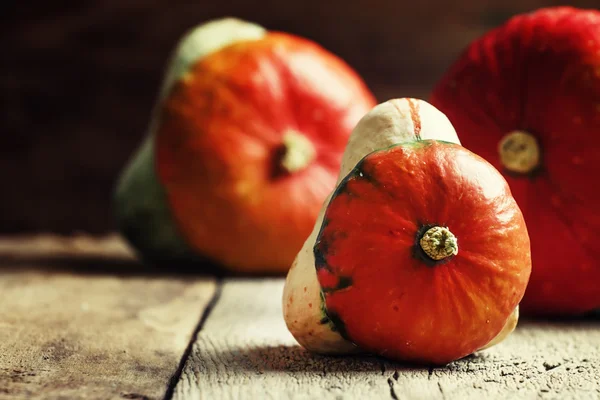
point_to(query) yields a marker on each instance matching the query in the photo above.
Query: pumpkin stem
(439, 243)
(298, 151)
(519, 152)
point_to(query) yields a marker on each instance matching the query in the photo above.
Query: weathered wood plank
(66, 334)
(244, 351)
(52, 247)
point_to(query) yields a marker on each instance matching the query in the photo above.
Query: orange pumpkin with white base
(421, 253)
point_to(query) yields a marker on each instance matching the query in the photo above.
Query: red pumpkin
(249, 144)
(423, 253)
(526, 96)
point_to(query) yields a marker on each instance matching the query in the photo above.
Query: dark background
(78, 80)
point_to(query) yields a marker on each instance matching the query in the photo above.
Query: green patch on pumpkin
(142, 214)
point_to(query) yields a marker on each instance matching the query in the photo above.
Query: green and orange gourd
(243, 147)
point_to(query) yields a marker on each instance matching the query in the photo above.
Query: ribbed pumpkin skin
(220, 141)
(540, 73)
(382, 292)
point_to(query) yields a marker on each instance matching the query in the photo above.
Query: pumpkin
(526, 97)
(243, 147)
(420, 254)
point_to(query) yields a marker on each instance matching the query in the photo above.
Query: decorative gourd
(420, 254)
(526, 97)
(243, 147)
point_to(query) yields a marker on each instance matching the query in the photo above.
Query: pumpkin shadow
(84, 254)
(295, 359)
(121, 266)
(105, 266)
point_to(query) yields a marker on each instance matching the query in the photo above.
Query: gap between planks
(186, 354)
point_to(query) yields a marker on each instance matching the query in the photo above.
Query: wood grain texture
(95, 336)
(55, 247)
(244, 351)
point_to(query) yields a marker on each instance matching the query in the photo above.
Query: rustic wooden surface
(90, 332)
(79, 318)
(244, 351)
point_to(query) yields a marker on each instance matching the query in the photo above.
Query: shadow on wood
(106, 266)
(293, 358)
(95, 255)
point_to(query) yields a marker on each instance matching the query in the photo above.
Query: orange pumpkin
(420, 254)
(247, 144)
(423, 253)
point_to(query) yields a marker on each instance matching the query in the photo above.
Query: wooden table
(80, 318)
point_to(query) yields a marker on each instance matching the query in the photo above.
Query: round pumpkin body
(249, 144)
(384, 290)
(526, 97)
